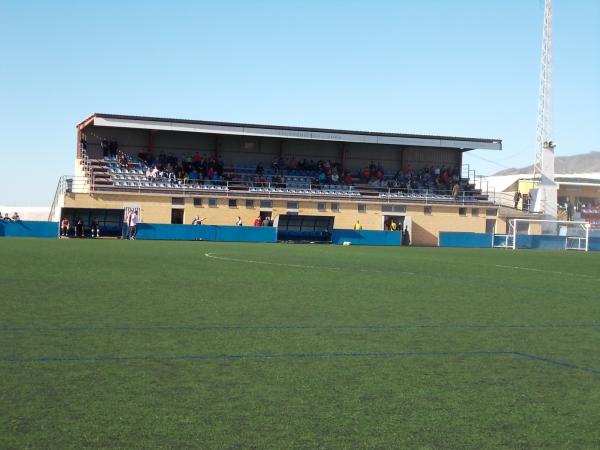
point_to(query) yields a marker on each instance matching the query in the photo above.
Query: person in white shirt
(238, 222)
(133, 221)
(198, 221)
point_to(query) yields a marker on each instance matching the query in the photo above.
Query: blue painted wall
(366, 237)
(29, 228)
(541, 242)
(500, 239)
(149, 231)
(466, 240)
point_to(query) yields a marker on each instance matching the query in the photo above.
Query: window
(292, 213)
(427, 210)
(362, 208)
(198, 202)
(177, 201)
(491, 212)
(212, 202)
(335, 207)
(475, 212)
(321, 206)
(292, 205)
(232, 203)
(266, 204)
(462, 211)
(393, 208)
(250, 204)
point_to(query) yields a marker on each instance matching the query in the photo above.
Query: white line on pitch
(296, 266)
(547, 271)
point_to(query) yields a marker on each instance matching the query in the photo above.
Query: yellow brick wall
(155, 209)
(425, 228)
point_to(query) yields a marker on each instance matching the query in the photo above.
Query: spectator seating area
(125, 172)
(322, 190)
(136, 178)
(424, 196)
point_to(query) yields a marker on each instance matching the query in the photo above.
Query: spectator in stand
(238, 222)
(105, 147)
(456, 191)
(95, 228)
(357, 226)
(570, 210)
(258, 222)
(372, 168)
(259, 169)
(155, 173)
(113, 147)
(64, 227)
(123, 161)
(15, 217)
(149, 174)
(266, 220)
(516, 198)
(6, 218)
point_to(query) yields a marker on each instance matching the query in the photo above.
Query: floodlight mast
(545, 193)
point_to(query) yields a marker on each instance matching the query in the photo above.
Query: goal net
(548, 234)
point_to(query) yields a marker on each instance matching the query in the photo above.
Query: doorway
(393, 223)
(177, 216)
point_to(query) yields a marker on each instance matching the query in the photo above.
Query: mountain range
(583, 163)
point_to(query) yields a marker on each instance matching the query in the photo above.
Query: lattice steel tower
(544, 196)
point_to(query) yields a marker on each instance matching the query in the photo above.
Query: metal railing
(58, 194)
(113, 179)
(141, 184)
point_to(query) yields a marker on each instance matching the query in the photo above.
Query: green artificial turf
(121, 344)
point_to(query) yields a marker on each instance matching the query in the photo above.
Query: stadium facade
(266, 171)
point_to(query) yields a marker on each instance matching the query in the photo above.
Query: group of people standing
(263, 221)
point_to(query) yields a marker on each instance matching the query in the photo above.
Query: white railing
(58, 196)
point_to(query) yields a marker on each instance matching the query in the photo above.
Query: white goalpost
(548, 234)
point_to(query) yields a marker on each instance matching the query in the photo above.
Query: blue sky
(452, 67)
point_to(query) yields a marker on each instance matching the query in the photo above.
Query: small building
(579, 190)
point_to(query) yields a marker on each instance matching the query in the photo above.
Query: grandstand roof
(288, 132)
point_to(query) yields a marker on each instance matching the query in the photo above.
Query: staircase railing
(60, 190)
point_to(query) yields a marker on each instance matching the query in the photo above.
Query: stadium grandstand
(173, 171)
